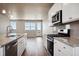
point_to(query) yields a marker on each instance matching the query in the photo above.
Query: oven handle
(49, 40)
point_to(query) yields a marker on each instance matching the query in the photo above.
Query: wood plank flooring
(34, 47)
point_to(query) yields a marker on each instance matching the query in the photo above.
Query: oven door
(50, 46)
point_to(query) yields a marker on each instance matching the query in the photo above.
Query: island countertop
(5, 40)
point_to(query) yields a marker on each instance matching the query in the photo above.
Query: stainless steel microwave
(57, 18)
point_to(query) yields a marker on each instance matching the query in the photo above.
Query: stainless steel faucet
(9, 30)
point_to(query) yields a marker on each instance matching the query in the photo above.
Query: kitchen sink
(13, 35)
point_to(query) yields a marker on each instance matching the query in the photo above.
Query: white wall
(20, 26)
(4, 22)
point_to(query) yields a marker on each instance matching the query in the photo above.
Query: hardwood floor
(34, 47)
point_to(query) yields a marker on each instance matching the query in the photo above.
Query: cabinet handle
(70, 17)
(64, 47)
(59, 50)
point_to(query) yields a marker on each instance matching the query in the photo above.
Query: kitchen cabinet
(62, 49)
(21, 46)
(70, 12)
(76, 51)
(53, 10)
(1, 51)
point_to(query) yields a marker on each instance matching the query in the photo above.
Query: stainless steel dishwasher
(11, 49)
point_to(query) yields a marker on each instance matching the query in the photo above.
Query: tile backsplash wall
(75, 29)
(67, 26)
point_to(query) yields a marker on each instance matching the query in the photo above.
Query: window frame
(12, 25)
(35, 22)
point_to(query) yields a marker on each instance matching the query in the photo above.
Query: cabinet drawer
(58, 52)
(21, 46)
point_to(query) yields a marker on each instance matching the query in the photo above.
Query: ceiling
(25, 10)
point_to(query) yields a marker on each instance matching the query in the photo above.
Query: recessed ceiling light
(3, 11)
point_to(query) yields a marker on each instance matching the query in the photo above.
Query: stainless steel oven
(50, 45)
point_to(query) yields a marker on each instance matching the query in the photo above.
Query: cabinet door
(76, 51)
(66, 50)
(57, 46)
(21, 46)
(70, 12)
(1, 51)
(61, 49)
(24, 44)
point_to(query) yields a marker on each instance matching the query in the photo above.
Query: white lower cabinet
(21, 46)
(62, 49)
(1, 51)
(76, 51)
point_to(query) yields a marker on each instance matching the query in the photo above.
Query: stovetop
(57, 35)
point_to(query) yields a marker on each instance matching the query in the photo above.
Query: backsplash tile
(75, 29)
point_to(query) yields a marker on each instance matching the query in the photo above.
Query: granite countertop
(5, 40)
(69, 41)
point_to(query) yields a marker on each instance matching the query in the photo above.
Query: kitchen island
(20, 43)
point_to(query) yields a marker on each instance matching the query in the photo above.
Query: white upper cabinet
(70, 12)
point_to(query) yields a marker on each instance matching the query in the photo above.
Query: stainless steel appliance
(64, 32)
(9, 30)
(50, 45)
(11, 49)
(57, 18)
(50, 39)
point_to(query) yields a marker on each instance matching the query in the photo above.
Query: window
(13, 24)
(27, 25)
(31, 25)
(38, 25)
